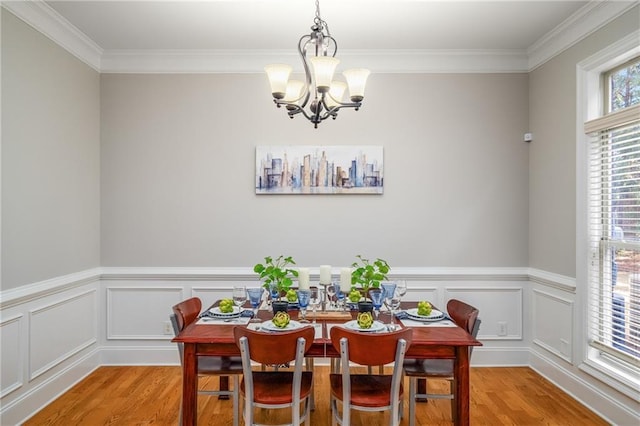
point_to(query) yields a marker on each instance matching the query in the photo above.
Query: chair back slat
(187, 311)
(463, 314)
(266, 349)
(370, 348)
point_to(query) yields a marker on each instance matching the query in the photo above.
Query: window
(613, 222)
(622, 86)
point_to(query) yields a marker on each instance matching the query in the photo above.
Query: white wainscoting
(120, 316)
(49, 341)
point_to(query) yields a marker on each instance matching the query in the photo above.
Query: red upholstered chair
(276, 389)
(465, 316)
(368, 392)
(186, 312)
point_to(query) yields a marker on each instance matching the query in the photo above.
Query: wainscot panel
(13, 354)
(553, 323)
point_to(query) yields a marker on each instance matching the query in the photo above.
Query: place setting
(425, 315)
(228, 311)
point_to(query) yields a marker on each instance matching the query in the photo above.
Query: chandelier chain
(319, 21)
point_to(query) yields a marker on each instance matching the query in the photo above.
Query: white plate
(435, 315)
(375, 326)
(293, 325)
(216, 312)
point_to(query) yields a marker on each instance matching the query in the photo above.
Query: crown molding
(44, 19)
(587, 20)
(253, 61)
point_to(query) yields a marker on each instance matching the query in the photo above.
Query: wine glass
(239, 296)
(342, 298)
(255, 297)
(314, 301)
(303, 300)
(401, 286)
(376, 296)
(331, 291)
(393, 302)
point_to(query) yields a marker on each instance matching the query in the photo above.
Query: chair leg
(307, 412)
(312, 398)
(453, 401)
(412, 401)
(248, 412)
(335, 365)
(236, 393)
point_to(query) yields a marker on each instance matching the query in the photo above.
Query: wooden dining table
(428, 342)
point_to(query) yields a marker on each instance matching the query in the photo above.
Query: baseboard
(140, 355)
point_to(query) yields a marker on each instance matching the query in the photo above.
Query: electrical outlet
(502, 328)
(167, 327)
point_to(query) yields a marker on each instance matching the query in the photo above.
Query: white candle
(345, 280)
(325, 274)
(303, 278)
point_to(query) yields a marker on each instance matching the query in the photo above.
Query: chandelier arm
(303, 42)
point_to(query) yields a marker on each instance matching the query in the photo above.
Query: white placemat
(317, 328)
(222, 321)
(412, 323)
(330, 326)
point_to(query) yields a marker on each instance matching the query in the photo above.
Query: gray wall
(552, 167)
(50, 159)
(178, 157)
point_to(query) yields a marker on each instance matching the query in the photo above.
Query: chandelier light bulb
(356, 79)
(336, 93)
(323, 69)
(278, 77)
(294, 91)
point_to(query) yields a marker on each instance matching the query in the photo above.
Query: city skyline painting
(310, 169)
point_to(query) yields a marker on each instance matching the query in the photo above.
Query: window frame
(591, 105)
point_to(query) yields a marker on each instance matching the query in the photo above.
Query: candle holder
(324, 296)
(345, 300)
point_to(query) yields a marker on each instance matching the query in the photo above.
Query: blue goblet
(376, 296)
(303, 300)
(388, 290)
(255, 297)
(274, 292)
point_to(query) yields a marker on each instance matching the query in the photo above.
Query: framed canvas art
(351, 169)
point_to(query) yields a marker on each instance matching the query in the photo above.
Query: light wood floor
(151, 396)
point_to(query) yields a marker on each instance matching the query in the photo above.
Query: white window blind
(614, 235)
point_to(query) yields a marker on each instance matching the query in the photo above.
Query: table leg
(189, 385)
(224, 385)
(422, 389)
(461, 374)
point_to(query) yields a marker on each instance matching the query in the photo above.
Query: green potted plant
(276, 273)
(368, 274)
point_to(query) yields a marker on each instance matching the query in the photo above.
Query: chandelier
(319, 96)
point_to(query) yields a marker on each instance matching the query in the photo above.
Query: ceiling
(278, 24)
(132, 35)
